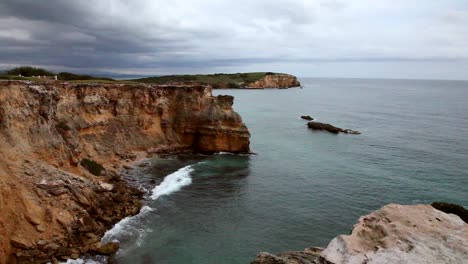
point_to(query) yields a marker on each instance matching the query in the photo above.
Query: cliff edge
(393, 234)
(63, 145)
(256, 80)
(275, 81)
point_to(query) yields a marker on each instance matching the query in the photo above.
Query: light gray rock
(402, 234)
(395, 233)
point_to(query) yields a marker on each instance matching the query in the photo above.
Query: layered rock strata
(393, 234)
(62, 146)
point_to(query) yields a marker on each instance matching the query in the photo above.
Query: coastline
(62, 183)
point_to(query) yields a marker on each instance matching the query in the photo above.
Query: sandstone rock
(106, 186)
(403, 234)
(20, 242)
(68, 122)
(276, 81)
(108, 249)
(41, 228)
(51, 248)
(393, 234)
(41, 242)
(57, 191)
(33, 212)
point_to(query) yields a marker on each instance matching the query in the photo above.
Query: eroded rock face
(276, 81)
(393, 234)
(48, 129)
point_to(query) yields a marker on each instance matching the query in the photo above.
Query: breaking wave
(173, 182)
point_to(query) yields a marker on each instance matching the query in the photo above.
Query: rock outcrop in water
(62, 146)
(276, 81)
(306, 117)
(331, 128)
(393, 234)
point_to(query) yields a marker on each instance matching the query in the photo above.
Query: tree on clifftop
(28, 71)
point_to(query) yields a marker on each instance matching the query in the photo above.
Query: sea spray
(173, 182)
(128, 225)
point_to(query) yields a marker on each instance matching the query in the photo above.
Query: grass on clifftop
(234, 79)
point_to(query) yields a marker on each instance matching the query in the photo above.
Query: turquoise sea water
(303, 187)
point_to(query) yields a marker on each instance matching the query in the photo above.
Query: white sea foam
(82, 261)
(173, 182)
(125, 226)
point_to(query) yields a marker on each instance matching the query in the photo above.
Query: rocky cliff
(275, 81)
(62, 146)
(393, 234)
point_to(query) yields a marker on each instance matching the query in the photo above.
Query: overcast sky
(310, 38)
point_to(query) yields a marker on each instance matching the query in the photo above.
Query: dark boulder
(452, 209)
(307, 118)
(324, 127)
(331, 128)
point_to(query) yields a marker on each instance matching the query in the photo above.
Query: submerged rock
(393, 234)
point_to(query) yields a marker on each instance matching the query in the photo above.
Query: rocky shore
(63, 146)
(393, 234)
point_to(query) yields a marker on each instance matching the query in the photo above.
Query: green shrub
(29, 71)
(92, 166)
(68, 76)
(452, 209)
(233, 85)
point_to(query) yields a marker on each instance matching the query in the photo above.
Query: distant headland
(252, 80)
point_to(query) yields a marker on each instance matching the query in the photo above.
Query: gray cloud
(207, 35)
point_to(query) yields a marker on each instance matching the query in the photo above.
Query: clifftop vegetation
(28, 72)
(234, 80)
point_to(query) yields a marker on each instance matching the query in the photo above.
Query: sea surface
(302, 188)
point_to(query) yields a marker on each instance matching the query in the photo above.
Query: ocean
(302, 188)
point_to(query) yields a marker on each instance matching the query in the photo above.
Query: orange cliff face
(276, 81)
(47, 130)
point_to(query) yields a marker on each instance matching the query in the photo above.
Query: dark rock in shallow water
(307, 118)
(331, 128)
(308, 256)
(325, 127)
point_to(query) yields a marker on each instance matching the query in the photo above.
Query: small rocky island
(393, 234)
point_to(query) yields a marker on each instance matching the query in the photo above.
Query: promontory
(63, 144)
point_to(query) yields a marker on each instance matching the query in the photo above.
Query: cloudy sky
(310, 38)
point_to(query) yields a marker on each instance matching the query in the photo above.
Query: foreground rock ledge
(62, 146)
(393, 234)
